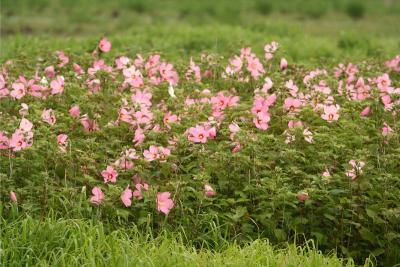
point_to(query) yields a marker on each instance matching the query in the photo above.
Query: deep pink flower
(109, 174)
(164, 203)
(209, 191)
(98, 195)
(365, 112)
(104, 45)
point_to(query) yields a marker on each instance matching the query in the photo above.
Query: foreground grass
(30, 242)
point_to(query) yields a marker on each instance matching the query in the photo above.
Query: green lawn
(75, 242)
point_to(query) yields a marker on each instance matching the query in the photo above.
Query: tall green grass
(77, 242)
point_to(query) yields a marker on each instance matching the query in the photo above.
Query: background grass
(308, 30)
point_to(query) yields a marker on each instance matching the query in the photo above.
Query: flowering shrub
(261, 145)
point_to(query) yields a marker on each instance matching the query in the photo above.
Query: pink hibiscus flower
(48, 116)
(98, 195)
(164, 203)
(109, 175)
(104, 45)
(126, 197)
(331, 113)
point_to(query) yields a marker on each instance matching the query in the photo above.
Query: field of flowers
(210, 150)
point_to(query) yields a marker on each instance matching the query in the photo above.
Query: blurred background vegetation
(307, 29)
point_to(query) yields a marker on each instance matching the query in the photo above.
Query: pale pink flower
(302, 196)
(62, 141)
(98, 195)
(293, 124)
(292, 104)
(326, 173)
(234, 128)
(57, 85)
(104, 45)
(236, 148)
(13, 197)
(330, 113)
(197, 134)
(164, 152)
(151, 154)
(386, 130)
(255, 67)
(122, 62)
(78, 69)
(283, 64)
(94, 85)
(308, 136)
(88, 124)
(109, 174)
(74, 111)
(142, 98)
(64, 59)
(261, 121)
(4, 141)
(139, 136)
(267, 85)
(18, 140)
(138, 192)
(126, 197)
(356, 170)
(24, 111)
(25, 125)
(170, 118)
(50, 72)
(383, 82)
(48, 116)
(164, 203)
(18, 91)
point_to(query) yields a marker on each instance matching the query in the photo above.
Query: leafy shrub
(264, 7)
(298, 169)
(355, 9)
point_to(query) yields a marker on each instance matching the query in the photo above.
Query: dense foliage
(254, 145)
